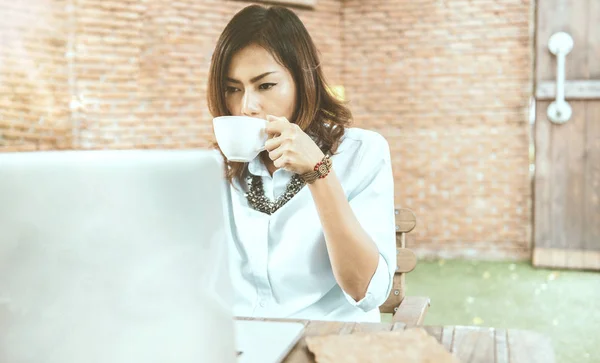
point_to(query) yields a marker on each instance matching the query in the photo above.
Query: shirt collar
(257, 167)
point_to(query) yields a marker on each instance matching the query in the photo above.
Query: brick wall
(446, 82)
(34, 75)
(138, 70)
(141, 68)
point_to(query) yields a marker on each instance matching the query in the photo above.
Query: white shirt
(279, 263)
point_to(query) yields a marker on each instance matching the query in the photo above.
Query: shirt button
(262, 303)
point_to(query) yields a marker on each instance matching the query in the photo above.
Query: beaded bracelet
(320, 171)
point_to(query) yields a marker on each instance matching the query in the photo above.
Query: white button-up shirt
(279, 263)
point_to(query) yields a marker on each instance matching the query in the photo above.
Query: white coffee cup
(240, 138)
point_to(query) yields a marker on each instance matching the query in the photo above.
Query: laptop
(121, 256)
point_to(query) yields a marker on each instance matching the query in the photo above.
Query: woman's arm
(353, 254)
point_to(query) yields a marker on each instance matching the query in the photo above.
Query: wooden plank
(573, 133)
(591, 233)
(473, 344)
(593, 40)
(371, 327)
(406, 260)
(406, 220)
(412, 310)
(558, 192)
(347, 328)
(574, 90)
(559, 258)
(501, 346)
(529, 347)
(396, 296)
(398, 326)
(539, 257)
(574, 259)
(545, 66)
(556, 258)
(591, 260)
(434, 331)
(300, 353)
(576, 18)
(448, 338)
(561, 15)
(542, 205)
(566, 178)
(550, 257)
(558, 186)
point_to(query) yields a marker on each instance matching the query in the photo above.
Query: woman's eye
(230, 89)
(266, 86)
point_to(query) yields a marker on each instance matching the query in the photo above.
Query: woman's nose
(250, 104)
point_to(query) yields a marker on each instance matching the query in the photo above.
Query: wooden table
(470, 344)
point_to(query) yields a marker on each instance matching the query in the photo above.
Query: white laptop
(120, 256)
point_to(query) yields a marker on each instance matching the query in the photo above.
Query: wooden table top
(469, 344)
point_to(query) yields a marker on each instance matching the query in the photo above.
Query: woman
(312, 217)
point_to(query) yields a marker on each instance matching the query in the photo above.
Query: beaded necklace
(258, 201)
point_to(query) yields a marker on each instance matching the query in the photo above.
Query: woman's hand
(291, 148)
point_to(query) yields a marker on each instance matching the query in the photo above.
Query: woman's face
(257, 85)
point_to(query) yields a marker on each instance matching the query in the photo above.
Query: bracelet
(321, 170)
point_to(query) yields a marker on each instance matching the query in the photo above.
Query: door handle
(560, 44)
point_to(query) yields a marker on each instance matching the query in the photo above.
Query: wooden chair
(409, 310)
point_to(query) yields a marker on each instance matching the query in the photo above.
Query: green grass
(563, 305)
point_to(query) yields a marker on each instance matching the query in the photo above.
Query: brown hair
(279, 30)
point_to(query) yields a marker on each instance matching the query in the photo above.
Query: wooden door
(567, 172)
